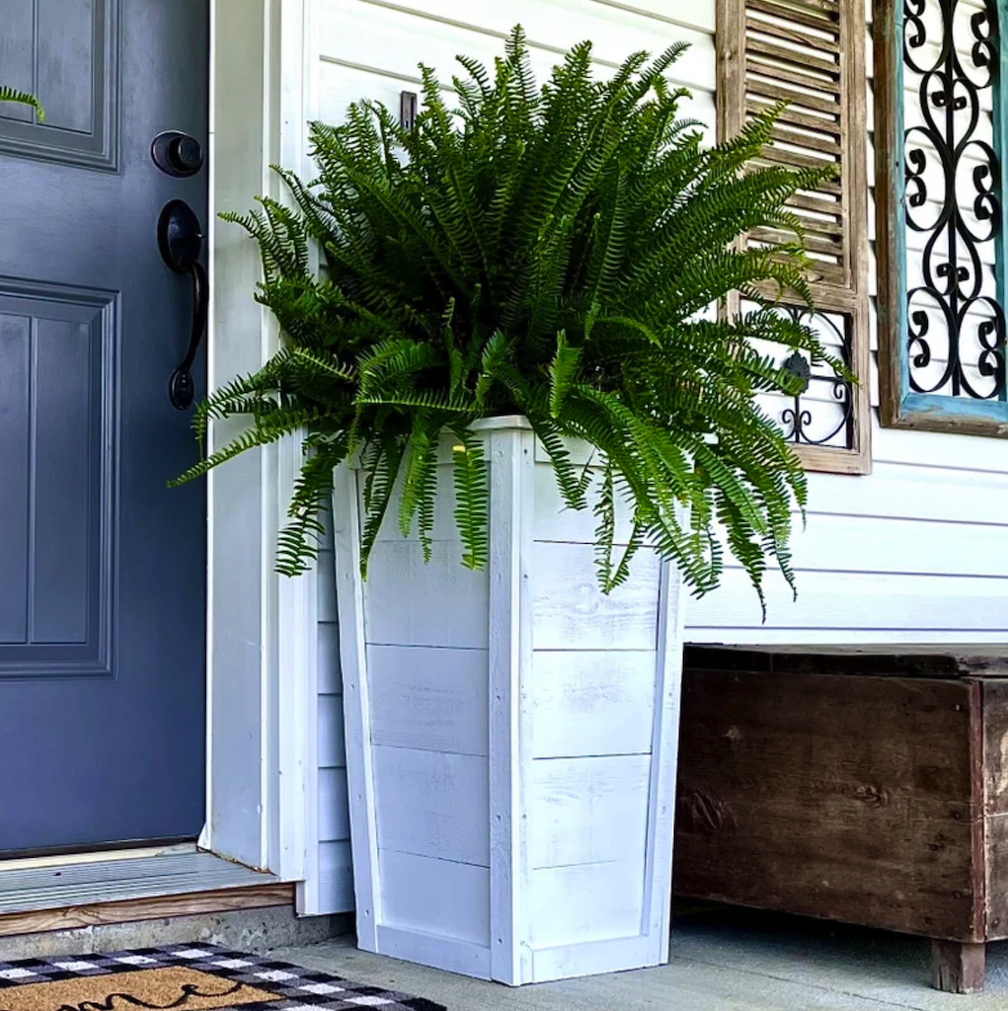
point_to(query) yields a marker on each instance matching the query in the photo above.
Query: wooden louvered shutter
(810, 54)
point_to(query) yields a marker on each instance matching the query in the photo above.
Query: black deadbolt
(177, 153)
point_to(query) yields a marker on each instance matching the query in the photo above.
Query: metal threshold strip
(89, 882)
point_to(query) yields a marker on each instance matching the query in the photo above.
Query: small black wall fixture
(180, 241)
(407, 109)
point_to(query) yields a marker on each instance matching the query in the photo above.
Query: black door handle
(180, 240)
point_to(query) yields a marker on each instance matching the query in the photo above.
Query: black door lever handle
(180, 240)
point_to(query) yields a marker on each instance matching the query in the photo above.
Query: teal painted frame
(900, 407)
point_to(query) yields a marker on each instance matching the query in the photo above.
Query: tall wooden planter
(511, 735)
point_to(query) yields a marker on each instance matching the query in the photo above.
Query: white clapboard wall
(916, 553)
(335, 871)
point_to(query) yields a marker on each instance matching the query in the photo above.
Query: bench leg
(957, 967)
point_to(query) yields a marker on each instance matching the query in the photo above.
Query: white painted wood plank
(330, 680)
(511, 498)
(326, 587)
(331, 743)
(665, 749)
(335, 870)
(831, 602)
(439, 952)
(357, 716)
(587, 810)
(569, 611)
(567, 19)
(418, 797)
(171, 873)
(589, 958)
(445, 528)
(585, 702)
(423, 894)
(347, 82)
(333, 806)
(430, 699)
(553, 521)
(396, 36)
(291, 819)
(940, 449)
(412, 596)
(910, 491)
(587, 902)
(884, 545)
(698, 15)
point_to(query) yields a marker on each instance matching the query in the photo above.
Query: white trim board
(261, 776)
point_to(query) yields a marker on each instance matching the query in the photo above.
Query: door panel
(56, 436)
(66, 52)
(102, 568)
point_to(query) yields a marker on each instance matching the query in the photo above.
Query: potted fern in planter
(535, 430)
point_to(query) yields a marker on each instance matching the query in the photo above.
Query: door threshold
(23, 863)
(62, 896)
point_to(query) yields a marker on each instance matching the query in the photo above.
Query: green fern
(548, 251)
(22, 98)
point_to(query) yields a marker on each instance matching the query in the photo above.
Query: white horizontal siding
(371, 48)
(335, 873)
(916, 553)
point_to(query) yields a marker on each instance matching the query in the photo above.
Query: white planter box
(511, 736)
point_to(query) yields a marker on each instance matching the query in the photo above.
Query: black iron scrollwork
(955, 328)
(823, 420)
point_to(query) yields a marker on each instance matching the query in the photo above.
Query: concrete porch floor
(722, 960)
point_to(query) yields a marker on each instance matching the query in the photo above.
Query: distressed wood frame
(849, 299)
(899, 406)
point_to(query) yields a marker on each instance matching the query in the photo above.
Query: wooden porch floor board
(60, 886)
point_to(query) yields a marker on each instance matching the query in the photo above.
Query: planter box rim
(505, 422)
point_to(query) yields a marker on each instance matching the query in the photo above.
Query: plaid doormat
(189, 977)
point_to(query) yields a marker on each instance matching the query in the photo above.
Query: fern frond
(551, 250)
(22, 98)
(472, 498)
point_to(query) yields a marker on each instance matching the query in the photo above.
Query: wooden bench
(876, 798)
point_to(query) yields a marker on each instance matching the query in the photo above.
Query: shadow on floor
(888, 967)
(722, 959)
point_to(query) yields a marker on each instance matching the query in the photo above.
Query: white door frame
(261, 638)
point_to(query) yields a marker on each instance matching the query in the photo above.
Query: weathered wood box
(874, 799)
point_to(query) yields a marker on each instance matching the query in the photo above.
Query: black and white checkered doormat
(249, 978)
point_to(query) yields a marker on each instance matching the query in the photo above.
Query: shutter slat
(817, 204)
(785, 156)
(813, 142)
(813, 243)
(785, 34)
(799, 17)
(793, 57)
(812, 103)
(803, 80)
(798, 118)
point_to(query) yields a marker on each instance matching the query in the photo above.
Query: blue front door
(102, 569)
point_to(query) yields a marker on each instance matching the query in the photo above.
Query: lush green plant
(22, 97)
(549, 252)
